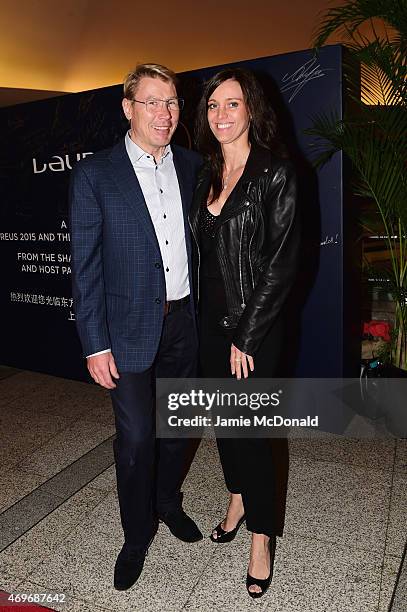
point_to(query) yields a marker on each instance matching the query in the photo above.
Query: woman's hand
(239, 361)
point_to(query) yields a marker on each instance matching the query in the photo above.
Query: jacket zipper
(243, 305)
(250, 258)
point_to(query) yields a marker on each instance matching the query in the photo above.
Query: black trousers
(247, 463)
(150, 472)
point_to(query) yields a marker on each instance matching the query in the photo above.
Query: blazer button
(157, 265)
(158, 300)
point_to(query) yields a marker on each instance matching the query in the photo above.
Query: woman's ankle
(260, 540)
(235, 500)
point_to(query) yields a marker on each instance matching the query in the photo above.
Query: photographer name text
(255, 421)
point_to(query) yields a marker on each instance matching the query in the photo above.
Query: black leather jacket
(257, 240)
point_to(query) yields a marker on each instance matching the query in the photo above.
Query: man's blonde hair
(155, 71)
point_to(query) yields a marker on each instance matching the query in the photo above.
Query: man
(131, 269)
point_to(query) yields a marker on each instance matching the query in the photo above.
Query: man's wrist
(99, 353)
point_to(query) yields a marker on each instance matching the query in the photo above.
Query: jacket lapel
(184, 175)
(200, 195)
(237, 202)
(240, 199)
(122, 172)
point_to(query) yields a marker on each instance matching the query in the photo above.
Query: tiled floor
(343, 543)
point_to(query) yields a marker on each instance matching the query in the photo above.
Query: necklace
(225, 179)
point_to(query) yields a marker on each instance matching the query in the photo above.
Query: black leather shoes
(130, 562)
(181, 525)
(129, 565)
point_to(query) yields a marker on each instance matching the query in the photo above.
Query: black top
(212, 290)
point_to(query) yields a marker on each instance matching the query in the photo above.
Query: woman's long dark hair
(263, 123)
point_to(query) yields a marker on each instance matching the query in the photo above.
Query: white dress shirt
(159, 184)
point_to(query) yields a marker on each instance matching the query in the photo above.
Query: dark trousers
(248, 463)
(150, 472)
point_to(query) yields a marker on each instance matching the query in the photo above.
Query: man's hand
(239, 361)
(102, 368)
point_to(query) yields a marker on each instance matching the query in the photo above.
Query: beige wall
(74, 45)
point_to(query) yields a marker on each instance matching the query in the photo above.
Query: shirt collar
(137, 154)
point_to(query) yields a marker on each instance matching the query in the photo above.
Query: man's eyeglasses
(155, 105)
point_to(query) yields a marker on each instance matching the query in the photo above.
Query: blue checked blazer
(118, 290)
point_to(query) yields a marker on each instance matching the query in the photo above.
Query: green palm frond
(373, 135)
(375, 72)
(328, 130)
(345, 20)
(379, 164)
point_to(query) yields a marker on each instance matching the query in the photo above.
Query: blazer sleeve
(88, 288)
(278, 274)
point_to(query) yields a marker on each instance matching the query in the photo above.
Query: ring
(237, 359)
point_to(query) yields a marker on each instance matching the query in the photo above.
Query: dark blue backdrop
(42, 140)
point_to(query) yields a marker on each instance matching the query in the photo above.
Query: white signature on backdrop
(304, 74)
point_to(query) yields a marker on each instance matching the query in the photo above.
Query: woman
(244, 224)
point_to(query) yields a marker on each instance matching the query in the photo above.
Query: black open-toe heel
(223, 536)
(265, 583)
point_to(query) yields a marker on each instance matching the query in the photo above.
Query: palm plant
(373, 131)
